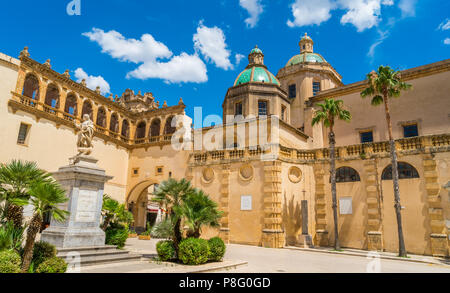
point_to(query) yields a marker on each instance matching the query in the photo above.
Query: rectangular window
(159, 170)
(410, 130)
(366, 136)
(292, 91)
(316, 87)
(23, 133)
(262, 108)
(238, 109)
(135, 172)
(283, 113)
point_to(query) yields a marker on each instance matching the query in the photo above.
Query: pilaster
(373, 201)
(224, 203)
(321, 237)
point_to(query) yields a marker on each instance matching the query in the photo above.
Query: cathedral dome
(306, 53)
(256, 71)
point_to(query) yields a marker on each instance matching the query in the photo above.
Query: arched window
(52, 96)
(140, 130)
(114, 124)
(155, 128)
(71, 105)
(168, 129)
(31, 87)
(405, 171)
(125, 129)
(101, 117)
(347, 174)
(87, 109)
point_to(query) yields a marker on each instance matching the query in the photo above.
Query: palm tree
(171, 194)
(45, 198)
(113, 212)
(198, 210)
(382, 85)
(15, 181)
(329, 112)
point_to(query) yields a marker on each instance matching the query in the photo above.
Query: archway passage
(139, 202)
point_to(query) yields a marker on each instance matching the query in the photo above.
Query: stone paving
(269, 260)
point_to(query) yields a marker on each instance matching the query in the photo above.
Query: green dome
(256, 74)
(256, 50)
(306, 57)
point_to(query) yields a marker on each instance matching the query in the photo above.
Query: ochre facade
(266, 165)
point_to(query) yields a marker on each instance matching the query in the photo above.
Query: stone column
(439, 233)
(224, 203)
(84, 183)
(374, 225)
(321, 237)
(273, 235)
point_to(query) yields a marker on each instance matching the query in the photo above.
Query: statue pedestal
(84, 183)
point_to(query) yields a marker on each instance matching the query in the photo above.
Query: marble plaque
(87, 206)
(246, 203)
(345, 206)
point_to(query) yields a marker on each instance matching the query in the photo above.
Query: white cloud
(92, 82)
(447, 41)
(210, 42)
(308, 12)
(408, 7)
(148, 52)
(254, 8)
(239, 58)
(363, 14)
(382, 36)
(445, 25)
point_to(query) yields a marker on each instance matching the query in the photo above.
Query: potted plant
(132, 234)
(146, 235)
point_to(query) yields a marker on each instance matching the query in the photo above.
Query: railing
(359, 151)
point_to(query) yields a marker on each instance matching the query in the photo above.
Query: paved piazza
(270, 260)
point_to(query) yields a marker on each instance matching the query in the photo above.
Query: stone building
(266, 166)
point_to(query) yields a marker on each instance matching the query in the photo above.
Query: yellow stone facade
(133, 144)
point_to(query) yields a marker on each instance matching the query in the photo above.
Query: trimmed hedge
(116, 236)
(54, 265)
(165, 250)
(9, 262)
(193, 251)
(43, 251)
(216, 248)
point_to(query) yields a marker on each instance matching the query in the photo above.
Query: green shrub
(42, 251)
(216, 249)
(9, 262)
(116, 236)
(193, 251)
(165, 250)
(54, 265)
(163, 229)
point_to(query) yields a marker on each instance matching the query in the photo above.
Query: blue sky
(190, 49)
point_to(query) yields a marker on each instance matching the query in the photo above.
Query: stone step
(95, 255)
(86, 253)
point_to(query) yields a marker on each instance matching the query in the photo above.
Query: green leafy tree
(45, 198)
(198, 210)
(329, 112)
(171, 194)
(114, 212)
(382, 85)
(15, 181)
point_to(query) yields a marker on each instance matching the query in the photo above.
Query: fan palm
(198, 210)
(112, 211)
(329, 112)
(382, 85)
(15, 181)
(45, 198)
(171, 193)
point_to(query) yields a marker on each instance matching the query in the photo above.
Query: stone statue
(84, 143)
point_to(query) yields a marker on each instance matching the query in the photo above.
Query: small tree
(382, 85)
(16, 179)
(171, 194)
(114, 212)
(198, 210)
(329, 112)
(45, 198)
